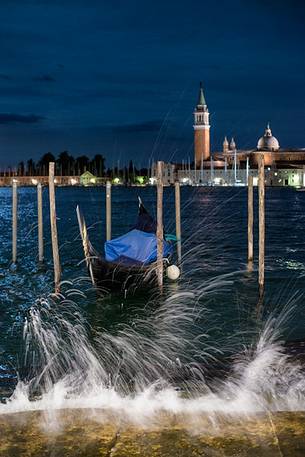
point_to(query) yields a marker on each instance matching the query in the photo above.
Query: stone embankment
(90, 433)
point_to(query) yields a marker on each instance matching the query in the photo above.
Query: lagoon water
(200, 347)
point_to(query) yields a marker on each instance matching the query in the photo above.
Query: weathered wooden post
(56, 261)
(40, 223)
(250, 219)
(14, 222)
(108, 210)
(261, 230)
(178, 220)
(160, 223)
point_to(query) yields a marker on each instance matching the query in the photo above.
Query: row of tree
(67, 165)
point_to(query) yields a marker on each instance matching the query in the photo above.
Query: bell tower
(201, 130)
(225, 145)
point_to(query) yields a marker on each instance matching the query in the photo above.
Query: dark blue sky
(121, 77)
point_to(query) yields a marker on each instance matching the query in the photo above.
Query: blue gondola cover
(136, 245)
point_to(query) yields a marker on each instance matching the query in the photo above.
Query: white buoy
(173, 272)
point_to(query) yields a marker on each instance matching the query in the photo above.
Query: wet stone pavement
(93, 433)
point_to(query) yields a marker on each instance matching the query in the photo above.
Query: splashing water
(165, 359)
(157, 364)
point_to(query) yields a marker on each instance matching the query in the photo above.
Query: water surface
(209, 316)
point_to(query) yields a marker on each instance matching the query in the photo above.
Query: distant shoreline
(28, 181)
(60, 181)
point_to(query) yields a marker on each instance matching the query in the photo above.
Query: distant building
(201, 130)
(87, 179)
(169, 173)
(267, 144)
(232, 166)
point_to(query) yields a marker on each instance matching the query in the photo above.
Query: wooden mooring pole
(14, 223)
(160, 223)
(178, 220)
(250, 220)
(108, 210)
(56, 261)
(261, 230)
(40, 223)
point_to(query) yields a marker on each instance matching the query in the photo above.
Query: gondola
(129, 261)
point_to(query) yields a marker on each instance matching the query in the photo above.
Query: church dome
(268, 141)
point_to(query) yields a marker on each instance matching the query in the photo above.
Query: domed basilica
(268, 145)
(233, 166)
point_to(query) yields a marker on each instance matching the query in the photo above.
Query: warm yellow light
(140, 179)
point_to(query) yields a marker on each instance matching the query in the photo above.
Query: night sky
(121, 77)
